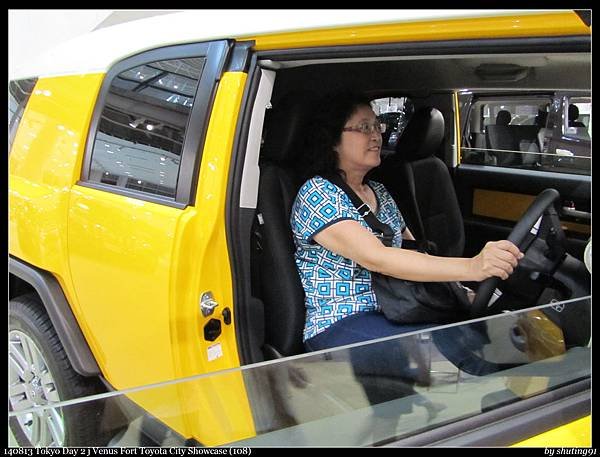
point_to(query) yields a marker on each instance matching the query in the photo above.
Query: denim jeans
(461, 344)
(359, 327)
(383, 368)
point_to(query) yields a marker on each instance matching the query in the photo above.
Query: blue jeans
(359, 327)
(461, 344)
(382, 368)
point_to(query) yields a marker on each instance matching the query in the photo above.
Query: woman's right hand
(497, 258)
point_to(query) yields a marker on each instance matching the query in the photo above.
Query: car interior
(434, 195)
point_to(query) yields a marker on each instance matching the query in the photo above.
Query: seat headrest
(285, 126)
(503, 117)
(573, 112)
(540, 119)
(422, 136)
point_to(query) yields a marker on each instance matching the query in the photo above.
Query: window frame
(215, 54)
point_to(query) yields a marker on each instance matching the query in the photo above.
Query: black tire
(30, 325)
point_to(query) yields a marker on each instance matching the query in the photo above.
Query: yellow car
(152, 166)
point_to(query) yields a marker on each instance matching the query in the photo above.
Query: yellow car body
(133, 271)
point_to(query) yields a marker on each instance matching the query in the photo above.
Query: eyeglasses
(366, 128)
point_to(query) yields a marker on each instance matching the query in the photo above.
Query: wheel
(39, 373)
(522, 236)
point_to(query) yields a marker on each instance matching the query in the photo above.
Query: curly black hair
(324, 132)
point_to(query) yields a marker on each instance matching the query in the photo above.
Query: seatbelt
(418, 230)
(382, 231)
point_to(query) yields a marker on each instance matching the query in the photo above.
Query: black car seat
(573, 115)
(503, 117)
(540, 123)
(279, 284)
(501, 137)
(421, 185)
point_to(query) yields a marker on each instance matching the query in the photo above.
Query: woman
(335, 248)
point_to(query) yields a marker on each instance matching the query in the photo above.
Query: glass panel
(519, 134)
(141, 73)
(579, 114)
(141, 133)
(368, 393)
(394, 112)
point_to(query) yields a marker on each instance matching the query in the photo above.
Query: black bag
(409, 302)
(404, 301)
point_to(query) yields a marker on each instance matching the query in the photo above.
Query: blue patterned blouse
(335, 287)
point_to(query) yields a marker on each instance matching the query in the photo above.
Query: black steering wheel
(542, 204)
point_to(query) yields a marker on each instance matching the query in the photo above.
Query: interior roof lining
(580, 57)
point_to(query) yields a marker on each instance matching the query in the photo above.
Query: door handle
(207, 304)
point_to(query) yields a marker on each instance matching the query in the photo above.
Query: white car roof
(97, 51)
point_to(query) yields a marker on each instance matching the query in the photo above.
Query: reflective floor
(11, 439)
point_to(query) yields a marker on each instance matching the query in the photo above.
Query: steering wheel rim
(517, 235)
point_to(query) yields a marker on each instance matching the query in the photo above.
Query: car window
(142, 127)
(532, 132)
(394, 112)
(504, 132)
(579, 118)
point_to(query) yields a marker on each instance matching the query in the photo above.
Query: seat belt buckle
(366, 212)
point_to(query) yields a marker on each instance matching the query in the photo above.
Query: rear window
(579, 118)
(140, 137)
(18, 95)
(546, 133)
(507, 132)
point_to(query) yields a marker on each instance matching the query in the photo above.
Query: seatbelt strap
(382, 231)
(419, 234)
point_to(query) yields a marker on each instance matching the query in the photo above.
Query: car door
(147, 245)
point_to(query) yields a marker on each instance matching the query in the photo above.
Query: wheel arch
(28, 278)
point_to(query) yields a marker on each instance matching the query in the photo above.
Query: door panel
(492, 199)
(141, 266)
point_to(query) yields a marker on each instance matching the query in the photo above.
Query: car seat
(279, 284)
(421, 185)
(502, 137)
(573, 115)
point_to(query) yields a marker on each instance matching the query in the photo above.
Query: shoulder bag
(404, 301)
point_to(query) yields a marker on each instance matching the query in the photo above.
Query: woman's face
(358, 151)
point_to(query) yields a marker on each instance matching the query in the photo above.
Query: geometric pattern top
(335, 287)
